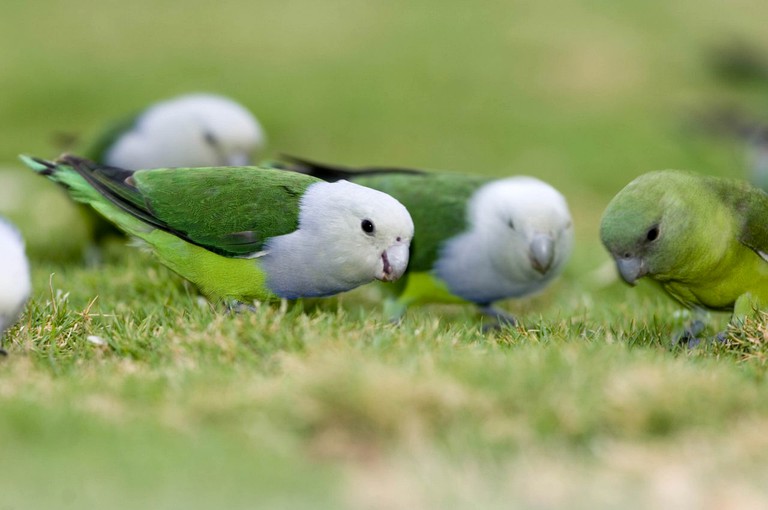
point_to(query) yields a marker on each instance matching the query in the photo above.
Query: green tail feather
(80, 190)
(38, 165)
(64, 175)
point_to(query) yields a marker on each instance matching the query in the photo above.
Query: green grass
(323, 404)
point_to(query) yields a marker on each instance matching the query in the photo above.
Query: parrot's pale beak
(238, 159)
(542, 252)
(394, 262)
(631, 268)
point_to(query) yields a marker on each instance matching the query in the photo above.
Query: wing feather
(228, 210)
(750, 204)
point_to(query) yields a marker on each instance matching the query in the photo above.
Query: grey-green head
(650, 226)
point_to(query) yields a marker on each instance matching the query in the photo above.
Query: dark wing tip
(332, 173)
(71, 159)
(89, 167)
(313, 168)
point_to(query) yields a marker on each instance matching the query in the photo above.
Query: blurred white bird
(15, 285)
(187, 131)
(193, 130)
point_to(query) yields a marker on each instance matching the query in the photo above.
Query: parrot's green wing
(755, 230)
(751, 208)
(437, 202)
(230, 211)
(96, 149)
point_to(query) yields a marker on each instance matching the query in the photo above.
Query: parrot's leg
(690, 334)
(235, 307)
(501, 319)
(92, 256)
(3, 352)
(410, 289)
(394, 309)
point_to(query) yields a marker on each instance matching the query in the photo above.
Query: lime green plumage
(739, 214)
(712, 241)
(217, 276)
(198, 221)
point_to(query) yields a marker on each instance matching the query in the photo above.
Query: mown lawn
(124, 389)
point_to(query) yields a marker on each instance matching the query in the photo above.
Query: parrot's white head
(526, 226)
(189, 131)
(15, 284)
(348, 235)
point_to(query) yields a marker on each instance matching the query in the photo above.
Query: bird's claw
(394, 310)
(236, 307)
(489, 327)
(689, 335)
(500, 319)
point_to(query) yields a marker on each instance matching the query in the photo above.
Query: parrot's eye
(367, 226)
(511, 224)
(653, 233)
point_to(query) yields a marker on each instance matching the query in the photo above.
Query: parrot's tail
(67, 172)
(40, 166)
(104, 188)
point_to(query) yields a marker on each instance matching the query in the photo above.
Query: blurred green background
(586, 95)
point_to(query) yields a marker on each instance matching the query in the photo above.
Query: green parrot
(703, 239)
(479, 240)
(247, 233)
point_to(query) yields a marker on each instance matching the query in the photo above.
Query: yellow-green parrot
(703, 239)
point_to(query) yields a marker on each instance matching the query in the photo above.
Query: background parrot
(191, 130)
(478, 239)
(186, 131)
